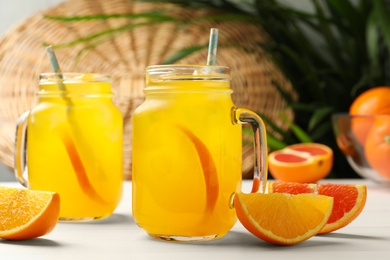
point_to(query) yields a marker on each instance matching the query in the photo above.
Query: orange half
(305, 163)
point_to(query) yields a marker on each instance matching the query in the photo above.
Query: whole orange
(374, 101)
(377, 146)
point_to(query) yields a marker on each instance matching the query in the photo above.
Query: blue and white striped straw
(213, 44)
(53, 60)
(55, 66)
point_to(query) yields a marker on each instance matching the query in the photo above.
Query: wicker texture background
(23, 57)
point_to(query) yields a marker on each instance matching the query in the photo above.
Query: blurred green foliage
(331, 53)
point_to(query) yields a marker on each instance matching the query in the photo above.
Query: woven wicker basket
(23, 57)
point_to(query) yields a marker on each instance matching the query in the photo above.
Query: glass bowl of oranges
(365, 142)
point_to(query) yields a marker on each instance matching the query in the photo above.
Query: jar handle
(20, 158)
(245, 116)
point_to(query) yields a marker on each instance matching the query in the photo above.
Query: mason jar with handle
(187, 153)
(71, 142)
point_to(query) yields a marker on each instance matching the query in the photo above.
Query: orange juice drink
(186, 154)
(75, 145)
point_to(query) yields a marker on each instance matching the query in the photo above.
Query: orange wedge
(349, 200)
(281, 218)
(26, 214)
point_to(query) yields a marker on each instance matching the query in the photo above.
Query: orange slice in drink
(281, 218)
(179, 158)
(27, 214)
(209, 169)
(305, 163)
(78, 167)
(349, 200)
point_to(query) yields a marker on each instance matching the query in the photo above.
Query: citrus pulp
(349, 199)
(283, 219)
(26, 214)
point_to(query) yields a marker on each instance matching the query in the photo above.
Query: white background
(13, 12)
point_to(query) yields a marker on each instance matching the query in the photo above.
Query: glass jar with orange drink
(73, 145)
(187, 153)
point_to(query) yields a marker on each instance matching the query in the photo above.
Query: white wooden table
(118, 237)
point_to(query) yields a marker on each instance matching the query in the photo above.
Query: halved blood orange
(305, 162)
(283, 219)
(349, 200)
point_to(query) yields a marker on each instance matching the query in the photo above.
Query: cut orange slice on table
(305, 163)
(291, 187)
(27, 214)
(349, 200)
(281, 218)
